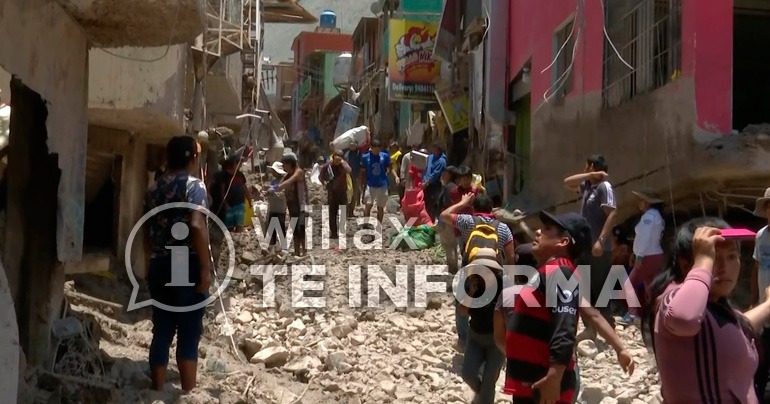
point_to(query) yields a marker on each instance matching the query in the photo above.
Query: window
(648, 36)
(563, 40)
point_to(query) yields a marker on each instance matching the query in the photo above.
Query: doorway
(751, 72)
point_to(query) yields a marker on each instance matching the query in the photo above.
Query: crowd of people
(706, 350)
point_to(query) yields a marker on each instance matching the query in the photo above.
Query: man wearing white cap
(275, 225)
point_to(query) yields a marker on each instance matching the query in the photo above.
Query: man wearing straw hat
(648, 251)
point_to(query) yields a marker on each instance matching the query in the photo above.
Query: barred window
(648, 36)
(564, 41)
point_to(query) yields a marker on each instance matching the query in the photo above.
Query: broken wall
(47, 50)
(142, 92)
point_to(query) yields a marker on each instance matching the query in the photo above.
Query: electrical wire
(566, 41)
(607, 35)
(578, 24)
(168, 44)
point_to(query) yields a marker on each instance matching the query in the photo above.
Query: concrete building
(314, 55)
(663, 116)
(82, 119)
(278, 81)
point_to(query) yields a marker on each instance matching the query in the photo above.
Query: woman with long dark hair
(705, 349)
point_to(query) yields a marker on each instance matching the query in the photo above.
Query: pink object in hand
(737, 234)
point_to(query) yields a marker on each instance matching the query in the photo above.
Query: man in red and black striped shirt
(542, 322)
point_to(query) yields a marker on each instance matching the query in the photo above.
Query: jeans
(186, 325)
(482, 352)
(449, 243)
(336, 200)
(461, 321)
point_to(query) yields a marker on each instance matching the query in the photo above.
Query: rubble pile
(259, 350)
(761, 130)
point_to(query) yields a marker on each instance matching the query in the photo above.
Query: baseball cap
(574, 224)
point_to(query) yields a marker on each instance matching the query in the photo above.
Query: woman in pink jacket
(705, 349)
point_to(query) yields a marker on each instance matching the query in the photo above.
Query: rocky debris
(375, 353)
(762, 129)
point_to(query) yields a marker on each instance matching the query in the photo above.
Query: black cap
(524, 249)
(574, 224)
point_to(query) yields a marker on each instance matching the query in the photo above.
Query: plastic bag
(413, 206)
(315, 174)
(478, 181)
(249, 214)
(349, 183)
(415, 237)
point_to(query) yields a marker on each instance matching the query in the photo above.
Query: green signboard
(304, 89)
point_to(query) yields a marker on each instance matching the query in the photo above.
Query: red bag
(416, 176)
(413, 206)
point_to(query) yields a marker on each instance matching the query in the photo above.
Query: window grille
(563, 85)
(648, 35)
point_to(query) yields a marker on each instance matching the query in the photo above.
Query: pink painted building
(663, 116)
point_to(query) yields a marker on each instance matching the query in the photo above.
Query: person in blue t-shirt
(353, 157)
(374, 176)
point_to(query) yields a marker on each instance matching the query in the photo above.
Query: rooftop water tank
(342, 69)
(328, 19)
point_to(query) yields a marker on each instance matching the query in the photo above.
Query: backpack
(483, 235)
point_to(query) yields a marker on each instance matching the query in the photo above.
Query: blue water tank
(328, 19)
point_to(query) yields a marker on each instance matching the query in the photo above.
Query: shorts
(376, 195)
(235, 215)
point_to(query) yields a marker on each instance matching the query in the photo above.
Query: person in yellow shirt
(394, 176)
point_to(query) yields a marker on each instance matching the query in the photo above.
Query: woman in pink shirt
(705, 349)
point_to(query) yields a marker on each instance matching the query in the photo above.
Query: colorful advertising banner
(347, 119)
(412, 70)
(454, 105)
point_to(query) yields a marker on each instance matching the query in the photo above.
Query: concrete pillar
(133, 185)
(32, 198)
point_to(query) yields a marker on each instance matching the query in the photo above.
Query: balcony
(223, 91)
(225, 29)
(133, 95)
(145, 23)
